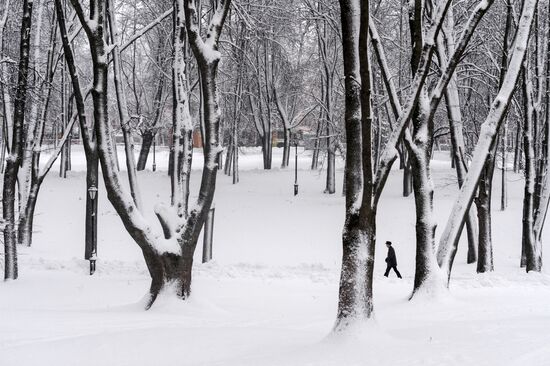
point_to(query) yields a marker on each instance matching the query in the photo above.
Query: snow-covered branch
(450, 236)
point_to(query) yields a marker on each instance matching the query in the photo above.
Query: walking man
(391, 261)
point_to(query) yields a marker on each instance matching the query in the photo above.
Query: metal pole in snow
(296, 170)
(92, 193)
(154, 153)
(208, 236)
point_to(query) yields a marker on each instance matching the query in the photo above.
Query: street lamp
(92, 192)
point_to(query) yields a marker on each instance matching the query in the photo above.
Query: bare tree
(169, 257)
(449, 238)
(445, 46)
(16, 148)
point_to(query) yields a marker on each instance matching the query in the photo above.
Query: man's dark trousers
(390, 267)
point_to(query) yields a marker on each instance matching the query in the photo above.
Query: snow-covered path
(269, 297)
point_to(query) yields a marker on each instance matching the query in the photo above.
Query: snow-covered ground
(270, 295)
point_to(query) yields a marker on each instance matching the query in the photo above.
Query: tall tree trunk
(503, 69)
(454, 115)
(358, 239)
(122, 106)
(330, 187)
(316, 143)
(229, 159)
(63, 121)
(35, 137)
(90, 146)
(24, 175)
(419, 156)
(7, 125)
(483, 203)
(517, 149)
(503, 176)
(331, 171)
(529, 244)
(16, 152)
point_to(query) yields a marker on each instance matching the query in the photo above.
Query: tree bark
(169, 259)
(16, 152)
(454, 115)
(32, 178)
(90, 146)
(122, 105)
(533, 260)
(146, 142)
(358, 238)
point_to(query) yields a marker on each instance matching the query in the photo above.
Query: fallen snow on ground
(270, 295)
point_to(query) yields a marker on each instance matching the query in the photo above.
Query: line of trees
(488, 92)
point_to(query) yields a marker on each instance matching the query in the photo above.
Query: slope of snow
(270, 295)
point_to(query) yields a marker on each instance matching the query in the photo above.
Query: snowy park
(269, 296)
(274, 182)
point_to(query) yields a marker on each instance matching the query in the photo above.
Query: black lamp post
(92, 192)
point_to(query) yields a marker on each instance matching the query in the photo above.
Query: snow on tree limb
(46, 168)
(122, 105)
(450, 236)
(390, 153)
(134, 37)
(455, 58)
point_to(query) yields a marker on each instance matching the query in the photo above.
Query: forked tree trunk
(419, 151)
(169, 259)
